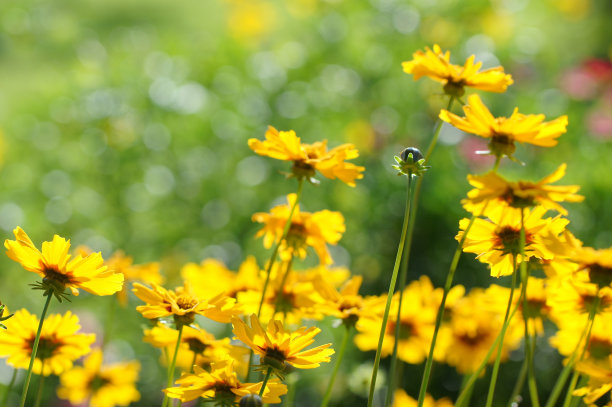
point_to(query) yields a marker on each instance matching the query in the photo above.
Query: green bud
(251, 400)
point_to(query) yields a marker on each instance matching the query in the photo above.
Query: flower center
(302, 170)
(296, 237)
(454, 88)
(186, 302)
(406, 329)
(475, 339)
(274, 358)
(46, 347)
(98, 382)
(510, 240)
(600, 275)
(535, 308)
(196, 346)
(502, 144)
(600, 348)
(516, 201)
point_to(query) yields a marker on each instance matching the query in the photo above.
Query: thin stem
(497, 161)
(41, 384)
(291, 381)
(9, 388)
(398, 258)
(529, 346)
(265, 382)
(110, 317)
(173, 364)
(463, 397)
(501, 341)
(392, 369)
(273, 259)
(575, 375)
(518, 387)
(447, 286)
(434, 139)
(469, 391)
(193, 362)
(332, 379)
(556, 392)
(26, 384)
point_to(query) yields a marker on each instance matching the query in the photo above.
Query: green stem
(406, 257)
(398, 258)
(500, 346)
(173, 364)
(9, 388)
(265, 382)
(447, 286)
(556, 392)
(26, 384)
(272, 260)
(41, 384)
(110, 316)
(465, 382)
(497, 161)
(518, 387)
(463, 397)
(575, 375)
(289, 398)
(529, 346)
(332, 379)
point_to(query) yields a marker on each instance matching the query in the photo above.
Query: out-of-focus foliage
(124, 124)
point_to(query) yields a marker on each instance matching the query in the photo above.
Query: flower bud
(251, 400)
(416, 154)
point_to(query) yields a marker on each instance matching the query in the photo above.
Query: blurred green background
(124, 125)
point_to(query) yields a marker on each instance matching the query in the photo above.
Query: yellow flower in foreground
(277, 346)
(57, 269)
(436, 65)
(502, 132)
(146, 273)
(307, 229)
(222, 386)
(103, 386)
(59, 344)
(598, 264)
(600, 381)
(309, 158)
(492, 187)
(570, 332)
(401, 399)
(497, 241)
(183, 304)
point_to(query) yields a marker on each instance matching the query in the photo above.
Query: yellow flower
(570, 332)
(212, 277)
(436, 65)
(475, 323)
(183, 304)
(308, 158)
(307, 230)
(222, 386)
(600, 381)
(277, 346)
(59, 344)
(597, 263)
(573, 298)
(537, 308)
(55, 266)
(502, 132)
(103, 386)
(401, 399)
(146, 273)
(289, 298)
(419, 309)
(497, 241)
(195, 342)
(347, 304)
(491, 187)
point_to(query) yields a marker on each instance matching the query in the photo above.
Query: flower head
(60, 343)
(277, 346)
(522, 194)
(146, 273)
(401, 399)
(309, 158)
(503, 132)
(497, 241)
(103, 385)
(436, 65)
(59, 270)
(222, 386)
(307, 229)
(183, 304)
(600, 381)
(597, 263)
